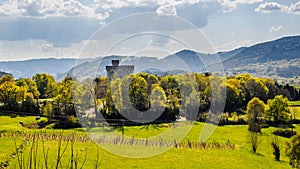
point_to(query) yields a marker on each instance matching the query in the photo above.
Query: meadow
(74, 149)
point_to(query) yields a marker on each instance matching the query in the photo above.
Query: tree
(100, 87)
(278, 109)
(64, 98)
(29, 85)
(9, 92)
(158, 101)
(234, 95)
(171, 88)
(46, 85)
(293, 151)
(47, 110)
(254, 141)
(255, 111)
(276, 148)
(190, 97)
(252, 87)
(138, 92)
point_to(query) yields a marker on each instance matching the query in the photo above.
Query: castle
(118, 71)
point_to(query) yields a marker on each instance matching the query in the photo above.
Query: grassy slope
(241, 157)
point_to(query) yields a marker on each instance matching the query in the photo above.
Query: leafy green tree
(46, 85)
(158, 101)
(293, 151)
(9, 92)
(138, 92)
(48, 111)
(190, 97)
(29, 85)
(234, 96)
(278, 109)
(114, 97)
(171, 88)
(252, 87)
(255, 110)
(64, 98)
(101, 87)
(204, 93)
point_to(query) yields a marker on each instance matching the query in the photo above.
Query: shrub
(254, 141)
(67, 122)
(254, 127)
(284, 133)
(276, 148)
(293, 151)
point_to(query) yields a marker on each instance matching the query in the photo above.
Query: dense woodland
(42, 95)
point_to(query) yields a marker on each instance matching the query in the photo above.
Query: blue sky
(64, 28)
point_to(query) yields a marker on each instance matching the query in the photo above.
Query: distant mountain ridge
(28, 68)
(286, 48)
(277, 58)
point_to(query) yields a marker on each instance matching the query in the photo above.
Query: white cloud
(230, 5)
(275, 29)
(45, 47)
(295, 8)
(46, 8)
(268, 7)
(166, 10)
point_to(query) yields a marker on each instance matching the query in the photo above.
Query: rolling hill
(277, 59)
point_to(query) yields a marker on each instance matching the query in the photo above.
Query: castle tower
(118, 71)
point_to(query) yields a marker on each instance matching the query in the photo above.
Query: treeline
(136, 97)
(181, 93)
(39, 95)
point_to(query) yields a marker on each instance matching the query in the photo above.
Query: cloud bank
(269, 7)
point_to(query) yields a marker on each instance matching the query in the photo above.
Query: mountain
(28, 68)
(3, 73)
(286, 48)
(277, 59)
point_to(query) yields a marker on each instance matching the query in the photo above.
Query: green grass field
(239, 157)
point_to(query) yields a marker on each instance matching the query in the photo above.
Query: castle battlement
(118, 71)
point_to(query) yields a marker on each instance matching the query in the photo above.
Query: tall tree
(293, 151)
(278, 109)
(255, 110)
(30, 86)
(139, 93)
(171, 88)
(9, 92)
(46, 85)
(64, 98)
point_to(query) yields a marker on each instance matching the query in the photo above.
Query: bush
(67, 122)
(254, 127)
(253, 141)
(293, 151)
(284, 133)
(276, 148)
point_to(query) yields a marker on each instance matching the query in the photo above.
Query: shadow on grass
(11, 114)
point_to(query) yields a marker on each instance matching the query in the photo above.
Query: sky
(32, 29)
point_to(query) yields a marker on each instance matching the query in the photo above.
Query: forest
(174, 96)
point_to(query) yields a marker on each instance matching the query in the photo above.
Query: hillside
(28, 68)
(277, 59)
(287, 48)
